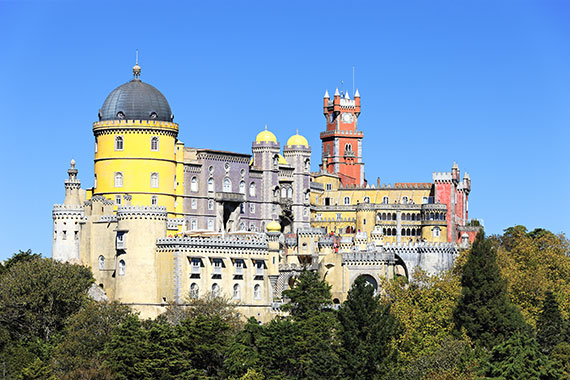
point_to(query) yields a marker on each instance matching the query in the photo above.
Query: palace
(164, 222)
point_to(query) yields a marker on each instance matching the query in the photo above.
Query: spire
(266, 126)
(336, 93)
(136, 67)
(326, 94)
(357, 94)
(346, 96)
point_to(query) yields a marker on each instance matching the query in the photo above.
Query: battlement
(67, 211)
(442, 176)
(155, 124)
(172, 224)
(108, 218)
(311, 231)
(99, 198)
(141, 212)
(342, 133)
(231, 245)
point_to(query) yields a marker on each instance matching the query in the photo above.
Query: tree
(366, 330)
(19, 257)
(483, 309)
(520, 358)
(550, 325)
(80, 351)
(309, 296)
(37, 296)
(242, 355)
(424, 307)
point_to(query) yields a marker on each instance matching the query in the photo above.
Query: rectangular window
(338, 216)
(64, 235)
(194, 203)
(154, 180)
(76, 235)
(328, 186)
(251, 208)
(154, 200)
(217, 266)
(195, 266)
(117, 200)
(154, 144)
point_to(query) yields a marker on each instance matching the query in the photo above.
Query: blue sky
(483, 83)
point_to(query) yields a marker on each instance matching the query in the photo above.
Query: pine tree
(242, 355)
(309, 296)
(520, 358)
(550, 325)
(483, 309)
(366, 330)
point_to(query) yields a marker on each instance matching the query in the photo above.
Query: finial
(336, 93)
(72, 163)
(326, 94)
(266, 126)
(357, 94)
(136, 67)
(297, 131)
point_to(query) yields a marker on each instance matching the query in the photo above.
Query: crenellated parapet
(99, 199)
(67, 211)
(142, 212)
(442, 177)
(233, 245)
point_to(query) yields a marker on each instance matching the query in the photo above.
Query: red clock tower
(341, 141)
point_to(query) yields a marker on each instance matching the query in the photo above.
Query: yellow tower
(135, 146)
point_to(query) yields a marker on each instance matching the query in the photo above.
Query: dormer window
(120, 115)
(153, 116)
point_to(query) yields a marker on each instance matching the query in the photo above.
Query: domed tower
(135, 141)
(266, 158)
(297, 152)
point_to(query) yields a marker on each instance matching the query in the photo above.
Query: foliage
(533, 263)
(561, 357)
(366, 330)
(242, 355)
(208, 306)
(79, 354)
(37, 295)
(308, 297)
(483, 309)
(19, 257)
(424, 307)
(520, 358)
(550, 325)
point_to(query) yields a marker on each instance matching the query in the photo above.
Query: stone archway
(370, 280)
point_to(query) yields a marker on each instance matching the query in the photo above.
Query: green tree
(242, 354)
(561, 356)
(19, 257)
(37, 295)
(550, 324)
(483, 309)
(309, 296)
(366, 330)
(79, 354)
(520, 358)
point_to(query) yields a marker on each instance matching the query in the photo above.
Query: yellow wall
(136, 161)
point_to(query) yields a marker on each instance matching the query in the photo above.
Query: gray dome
(135, 100)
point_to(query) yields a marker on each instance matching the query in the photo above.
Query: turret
(297, 152)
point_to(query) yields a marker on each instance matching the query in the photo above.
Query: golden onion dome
(282, 160)
(297, 139)
(273, 226)
(265, 136)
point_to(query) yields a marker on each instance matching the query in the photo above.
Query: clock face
(347, 118)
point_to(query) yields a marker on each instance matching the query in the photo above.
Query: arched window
(215, 290)
(194, 290)
(122, 267)
(405, 200)
(119, 143)
(210, 204)
(394, 232)
(403, 232)
(211, 185)
(193, 225)
(413, 216)
(408, 232)
(389, 232)
(96, 145)
(348, 148)
(307, 196)
(211, 224)
(252, 189)
(242, 226)
(346, 200)
(154, 180)
(290, 193)
(384, 231)
(366, 199)
(413, 232)
(101, 262)
(242, 187)
(236, 291)
(194, 184)
(307, 166)
(154, 144)
(118, 179)
(283, 192)
(95, 181)
(276, 162)
(435, 232)
(394, 216)
(276, 194)
(227, 185)
(425, 200)
(257, 292)
(389, 216)
(385, 200)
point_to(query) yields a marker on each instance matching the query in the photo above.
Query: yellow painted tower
(135, 147)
